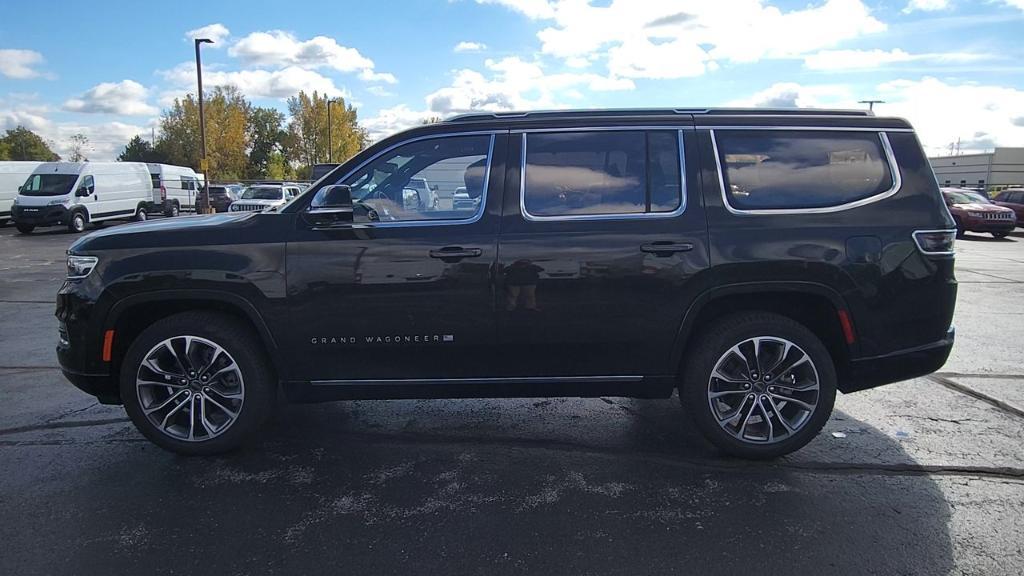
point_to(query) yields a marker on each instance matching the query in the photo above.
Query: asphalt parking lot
(920, 477)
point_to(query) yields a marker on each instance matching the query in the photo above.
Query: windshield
(49, 184)
(262, 193)
(975, 197)
(962, 198)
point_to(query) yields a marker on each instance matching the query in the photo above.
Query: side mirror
(331, 206)
(84, 191)
(19, 189)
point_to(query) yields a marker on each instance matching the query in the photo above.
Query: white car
(263, 196)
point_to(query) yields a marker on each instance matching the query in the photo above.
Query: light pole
(202, 125)
(871, 104)
(330, 131)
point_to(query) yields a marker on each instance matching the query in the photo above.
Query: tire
(141, 215)
(173, 211)
(212, 399)
(959, 229)
(773, 331)
(1000, 235)
(77, 222)
(25, 228)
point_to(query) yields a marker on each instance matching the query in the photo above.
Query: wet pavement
(920, 477)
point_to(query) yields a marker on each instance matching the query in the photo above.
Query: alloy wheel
(190, 388)
(763, 390)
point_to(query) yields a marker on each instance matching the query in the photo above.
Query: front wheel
(141, 215)
(25, 228)
(77, 223)
(1000, 235)
(759, 385)
(197, 383)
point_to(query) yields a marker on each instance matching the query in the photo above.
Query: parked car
(221, 196)
(175, 188)
(1012, 198)
(423, 193)
(12, 176)
(973, 212)
(461, 200)
(318, 171)
(262, 196)
(74, 194)
(740, 257)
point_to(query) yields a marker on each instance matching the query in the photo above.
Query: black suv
(757, 261)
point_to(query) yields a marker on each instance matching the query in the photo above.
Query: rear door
(602, 232)
(402, 293)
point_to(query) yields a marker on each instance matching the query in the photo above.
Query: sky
(952, 67)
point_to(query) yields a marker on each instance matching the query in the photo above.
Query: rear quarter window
(786, 169)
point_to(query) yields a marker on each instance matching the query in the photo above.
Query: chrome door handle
(455, 253)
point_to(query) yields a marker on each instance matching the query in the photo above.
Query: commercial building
(991, 171)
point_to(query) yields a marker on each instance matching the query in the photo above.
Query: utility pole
(202, 126)
(871, 104)
(330, 132)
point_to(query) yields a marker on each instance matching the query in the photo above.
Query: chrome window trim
(411, 223)
(619, 216)
(894, 170)
(815, 128)
(510, 380)
(929, 253)
(616, 128)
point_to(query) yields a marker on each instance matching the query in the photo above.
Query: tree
(5, 150)
(307, 130)
(227, 140)
(79, 146)
(24, 144)
(139, 150)
(266, 140)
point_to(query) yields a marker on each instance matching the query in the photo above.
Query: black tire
(959, 229)
(1000, 235)
(77, 222)
(141, 215)
(173, 211)
(715, 341)
(25, 228)
(243, 347)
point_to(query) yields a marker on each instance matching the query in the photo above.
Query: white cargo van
(12, 176)
(73, 194)
(174, 188)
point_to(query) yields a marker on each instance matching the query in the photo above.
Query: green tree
(227, 140)
(307, 130)
(5, 150)
(278, 168)
(266, 139)
(139, 150)
(24, 144)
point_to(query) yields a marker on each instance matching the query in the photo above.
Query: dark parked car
(973, 212)
(740, 257)
(1012, 198)
(221, 196)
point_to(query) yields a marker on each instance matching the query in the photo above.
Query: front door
(404, 292)
(598, 249)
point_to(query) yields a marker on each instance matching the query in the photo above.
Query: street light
(330, 131)
(871, 103)
(202, 124)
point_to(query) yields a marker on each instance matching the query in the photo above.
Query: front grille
(236, 207)
(1000, 216)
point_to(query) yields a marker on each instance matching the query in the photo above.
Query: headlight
(59, 202)
(976, 214)
(80, 266)
(15, 203)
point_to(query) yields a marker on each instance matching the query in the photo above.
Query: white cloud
(20, 64)
(216, 32)
(127, 97)
(379, 91)
(926, 5)
(1015, 3)
(391, 120)
(981, 116)
(837, 60)
(683, 38)
(253, 83)
(466, 46)
(277, 48)
(106, 139)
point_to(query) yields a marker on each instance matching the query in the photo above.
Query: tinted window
(663, 171)
(394, 186)
(770, 169)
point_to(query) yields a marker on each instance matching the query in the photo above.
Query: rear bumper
(897, 366)
(40, 215)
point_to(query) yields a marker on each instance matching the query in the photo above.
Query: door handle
(455, 253)
(666, 248)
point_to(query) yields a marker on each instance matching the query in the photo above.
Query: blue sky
(950, 66)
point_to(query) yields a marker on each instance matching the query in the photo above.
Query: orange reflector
(844, 321)
(108, 345)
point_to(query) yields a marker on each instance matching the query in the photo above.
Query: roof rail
(635, 112)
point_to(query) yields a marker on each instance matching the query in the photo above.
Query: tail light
(935, 242)
(163, 192)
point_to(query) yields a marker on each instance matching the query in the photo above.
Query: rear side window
(777, 169)
(601, 173)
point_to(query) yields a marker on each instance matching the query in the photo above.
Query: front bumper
(80, 344)
(982, 225)
(40, 215)
(897, 366)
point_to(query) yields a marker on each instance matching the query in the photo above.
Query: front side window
(48, 184)
(417, 181)
(601, 173)
(777, 169)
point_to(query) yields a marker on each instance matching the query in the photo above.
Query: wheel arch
(814, 305)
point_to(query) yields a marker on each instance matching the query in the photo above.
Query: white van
(73, 194)
(12, 176)
(175, 188)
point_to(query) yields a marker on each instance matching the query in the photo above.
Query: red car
(1012, 198)
(973, 212)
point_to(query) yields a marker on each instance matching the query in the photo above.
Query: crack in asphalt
(968, 391)
(981, 375)
(56, 425)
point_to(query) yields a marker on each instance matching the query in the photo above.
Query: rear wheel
(1000, 234)
(77, 223)
(25, 228)
(174, 210)
(197, 383)
(759, 385)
